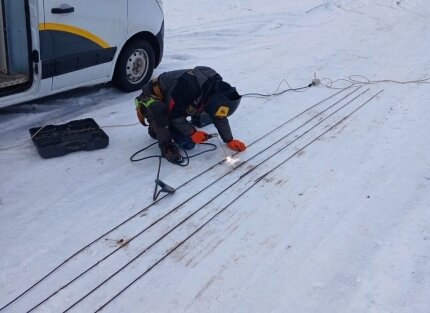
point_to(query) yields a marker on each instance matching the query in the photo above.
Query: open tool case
(58, 140)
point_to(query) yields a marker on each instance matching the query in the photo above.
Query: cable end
(316, 82)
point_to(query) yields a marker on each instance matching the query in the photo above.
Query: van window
(14, 50)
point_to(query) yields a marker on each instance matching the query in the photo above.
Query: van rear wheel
(135, 66)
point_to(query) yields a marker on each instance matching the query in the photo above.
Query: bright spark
(231, 161)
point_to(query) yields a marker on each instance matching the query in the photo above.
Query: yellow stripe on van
(74, 30)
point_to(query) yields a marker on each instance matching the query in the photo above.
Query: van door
(84, 36)
(15, 45)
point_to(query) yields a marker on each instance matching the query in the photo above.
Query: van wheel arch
(142, 46)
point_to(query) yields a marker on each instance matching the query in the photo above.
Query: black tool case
(57, 140)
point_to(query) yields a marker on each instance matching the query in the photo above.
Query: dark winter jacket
(186, 93)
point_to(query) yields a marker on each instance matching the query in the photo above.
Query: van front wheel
(135, 66)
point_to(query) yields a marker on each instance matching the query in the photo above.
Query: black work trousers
(157, 115)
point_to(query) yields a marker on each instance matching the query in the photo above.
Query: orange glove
(199, 137)
(236, 145)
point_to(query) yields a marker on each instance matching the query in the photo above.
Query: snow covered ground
(341, 222)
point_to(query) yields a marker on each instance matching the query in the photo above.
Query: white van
(50, 46)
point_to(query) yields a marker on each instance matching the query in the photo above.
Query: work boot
(171, 153)
(187, 145)
(183, 141)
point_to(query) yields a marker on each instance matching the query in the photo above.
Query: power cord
(34, 135)
(119, 126)
(361, 80)
(353, 80)
(54, 121)
(315, 82)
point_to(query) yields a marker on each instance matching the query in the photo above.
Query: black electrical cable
(276, 93)
(160, 157)
(132, 158)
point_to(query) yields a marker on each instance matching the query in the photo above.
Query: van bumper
(160, 39)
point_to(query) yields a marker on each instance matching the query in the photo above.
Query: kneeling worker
(167, 100)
